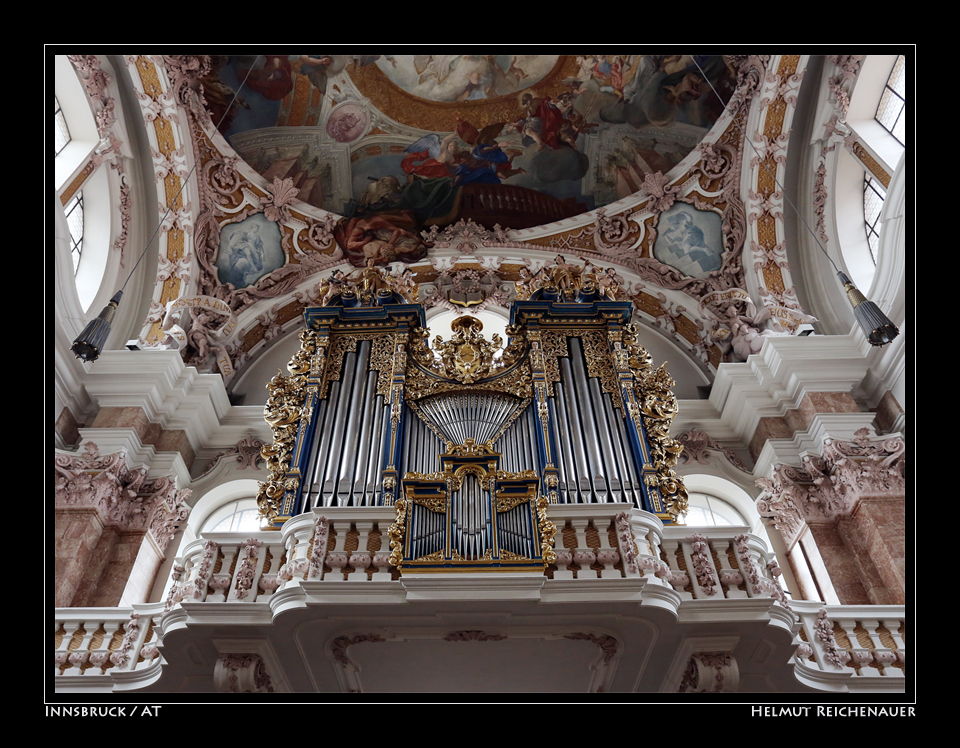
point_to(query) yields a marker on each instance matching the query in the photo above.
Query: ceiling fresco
(467, 175)
(443, 135)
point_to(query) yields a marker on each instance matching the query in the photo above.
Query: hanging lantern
(875, 324)
(91, 341)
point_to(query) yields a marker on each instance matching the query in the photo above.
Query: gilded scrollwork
(468, 357)
(563, 281)
(288, 405)
(425, 375)
(651, 402)
(381, 358)
(506, 503)
(283, 413)
(548, 532)
(436, 504)
(397, 531)
(597, 352)
(437, 476)
(522, 475)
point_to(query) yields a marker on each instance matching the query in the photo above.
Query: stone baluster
(381, 559)
(564, 557)
(270, 579)
(221, 582)
(607, 554)
(80, 654)
(298, 552)
(677, 577)
(861, 654)
(100, 655)
(729, 573)
(883, 655)
(361, 558)
(337, 557)
(337, 561)
(62, 655)
(648, 557)
(893, 626)
(583, 556)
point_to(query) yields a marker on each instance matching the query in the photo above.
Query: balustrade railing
(93, 642)
(592, 542)
(868, 640)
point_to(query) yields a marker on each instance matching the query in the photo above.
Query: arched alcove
(218, 496)
(731, 493)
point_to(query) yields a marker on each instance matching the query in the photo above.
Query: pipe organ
(471, 439)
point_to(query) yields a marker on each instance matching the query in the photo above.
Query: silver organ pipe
(310, 488)
(344, 466)
(565, 462)
(515, 531)
(468, 415)
(594, 457)
(421, 446)
(622, 453)
(352, 425)
(579, 391)
(517, 445)
(574, 424)
(470, 521)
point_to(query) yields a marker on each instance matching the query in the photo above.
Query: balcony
(626, 605)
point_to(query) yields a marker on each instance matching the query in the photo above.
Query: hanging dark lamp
(875, 324)
(92, 340)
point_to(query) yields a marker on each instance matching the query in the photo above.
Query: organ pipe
(580, 427)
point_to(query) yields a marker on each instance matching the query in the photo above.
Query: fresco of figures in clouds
(582, 130)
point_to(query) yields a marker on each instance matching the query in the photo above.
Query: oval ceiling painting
(550, 136)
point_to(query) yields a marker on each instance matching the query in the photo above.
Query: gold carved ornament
(467, 358)
(656, 406)
(548, 532)
(284, 412)
(397, 531)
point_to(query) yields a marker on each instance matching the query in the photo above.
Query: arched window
(74, 212)
(890, 110)
(61, 133)
(237, 516)
(890, 116)
(873, 196)
(705, 510)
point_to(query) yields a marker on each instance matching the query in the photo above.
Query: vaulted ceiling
(467, 169)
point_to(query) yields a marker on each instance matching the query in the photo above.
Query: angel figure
(431, 156)
(610, 283)
(332, 287)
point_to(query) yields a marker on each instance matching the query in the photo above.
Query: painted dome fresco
(468, 175)
(565, 133)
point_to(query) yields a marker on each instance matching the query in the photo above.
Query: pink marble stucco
(78, 533)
